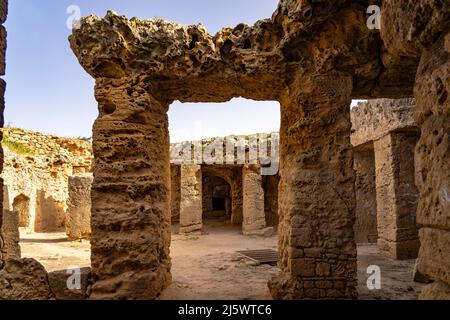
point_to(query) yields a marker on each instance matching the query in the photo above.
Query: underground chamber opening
(218, 204)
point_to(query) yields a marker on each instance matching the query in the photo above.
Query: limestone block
(24, 279)
(407, 27)
(78, 222)
(397, 195)
(11, 236)
(58, 284)
(191, 209)
(374, 119)
(366, 199)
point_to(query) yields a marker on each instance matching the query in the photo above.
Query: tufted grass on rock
(15, 147)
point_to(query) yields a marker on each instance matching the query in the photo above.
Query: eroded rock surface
(130, 194)
(10, 236)
(256, 61)
(66, 287)
(36, 172)
(317, 192)
(433, 165)
(24, 279)
(78, 222)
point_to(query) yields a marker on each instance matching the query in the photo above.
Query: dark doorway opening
(218, 204)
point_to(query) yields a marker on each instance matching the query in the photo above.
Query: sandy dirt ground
(207, 266)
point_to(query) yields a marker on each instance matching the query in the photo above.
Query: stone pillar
(397, 195)
(10, 235)
(366, 198)
(130, 193)
(432, 92)
(78, 219)
(253, 205)
(316, 192)
(175, 184)
(191, 208)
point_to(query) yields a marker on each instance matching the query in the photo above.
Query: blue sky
(48, 91)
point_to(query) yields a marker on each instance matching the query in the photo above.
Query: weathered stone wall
(236, 150)
(78, 223)
(37, 167)
(10, 235)
(432, 93)
(366, 199)
(423, 32)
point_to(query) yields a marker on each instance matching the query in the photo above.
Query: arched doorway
(231, 175)
(216, 198)
(21, 205)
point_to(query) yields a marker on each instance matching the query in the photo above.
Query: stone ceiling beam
(257, 62)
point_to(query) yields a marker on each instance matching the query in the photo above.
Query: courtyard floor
(207, 267)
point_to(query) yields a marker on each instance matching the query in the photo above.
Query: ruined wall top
(256, 149)
(373, 119)
(35, 145)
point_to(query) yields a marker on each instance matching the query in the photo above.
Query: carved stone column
(366, 198)
(397, 195)
(10, 236)
(316, 192)
(130, 193)
(191, 209)
(253, 204)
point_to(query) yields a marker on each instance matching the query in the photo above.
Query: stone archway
(21, 205)
(216, 197)
(233, 176)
